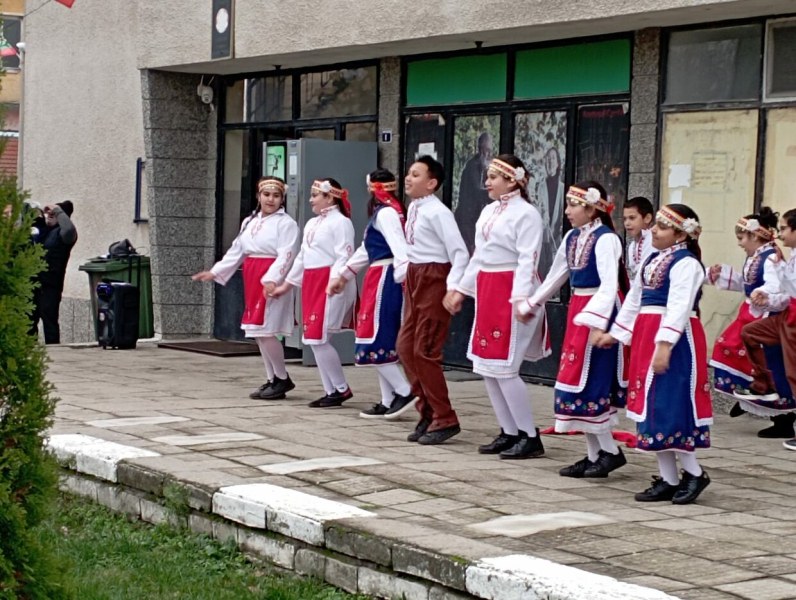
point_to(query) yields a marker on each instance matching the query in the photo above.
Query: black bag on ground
(117, 314)
(121, 249)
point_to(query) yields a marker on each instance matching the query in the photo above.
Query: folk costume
(266, 247)
(773, 388)
(502, 272)
(437, 259)
(638, 250)
(383, 252)
(326, 247)
(731, 364)
(672, 410)
(590, 384)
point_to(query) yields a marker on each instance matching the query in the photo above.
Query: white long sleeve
(598, 310)
(556, 277)
(328, 241)
(273, 235)
(785, 277)
(388, 223)
(432, 236)
(622, 327)
(685, 279)
(729, 279)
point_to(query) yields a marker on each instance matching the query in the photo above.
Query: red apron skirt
(255, 302)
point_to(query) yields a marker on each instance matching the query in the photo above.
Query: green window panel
(574, 70)
(456, 80)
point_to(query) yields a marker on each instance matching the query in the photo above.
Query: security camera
(205, 92)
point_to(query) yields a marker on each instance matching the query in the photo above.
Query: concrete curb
(350, 548)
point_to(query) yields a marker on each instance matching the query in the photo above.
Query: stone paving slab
(735, 543)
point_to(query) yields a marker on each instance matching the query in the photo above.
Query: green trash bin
(134, 269)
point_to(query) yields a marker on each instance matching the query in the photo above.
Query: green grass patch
(106, 556)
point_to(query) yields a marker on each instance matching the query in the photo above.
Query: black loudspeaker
(117, 314)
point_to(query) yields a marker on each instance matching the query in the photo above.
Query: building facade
(677, 100)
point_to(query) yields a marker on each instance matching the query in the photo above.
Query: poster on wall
(780, 169)
(424, 135)
(540, 141)
(603, 143)
(476, 140)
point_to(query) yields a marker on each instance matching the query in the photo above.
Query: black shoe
(279, 387)
(690, 487)
(526, 447)
(736, 410)
(605, 463)
(400, 405)
(782, 427)
(577, 469)
(377, 411)
(502, 442)
(420, 430)
(333, 400)
(255, 395)
(659, 491)
(432, 438)
(768, 395)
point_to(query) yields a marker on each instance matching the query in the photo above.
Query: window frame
(768, 62)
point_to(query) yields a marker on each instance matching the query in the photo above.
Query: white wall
(82, 121)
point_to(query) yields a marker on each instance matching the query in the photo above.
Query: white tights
(600, 441)
(667, 465)
(392, 379)
(330, 367)
(511, 404)
(273, 354)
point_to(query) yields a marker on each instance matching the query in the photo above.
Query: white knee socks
(392, 376)
(500, 406)
(667, 465)
(330, 367)
(688, 460)
(515, 394)
(592, 446)
(607, 443)
(273, 354)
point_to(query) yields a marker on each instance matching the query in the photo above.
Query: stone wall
(644, 94)
(180, 145)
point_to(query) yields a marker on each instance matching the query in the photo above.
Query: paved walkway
(738, 541)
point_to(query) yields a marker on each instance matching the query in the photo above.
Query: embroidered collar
(590, 226)
(764, 248)
(671, 250)
(424, 200)
(510, 196)
(325, 211)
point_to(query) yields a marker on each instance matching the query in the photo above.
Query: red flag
(66, 3)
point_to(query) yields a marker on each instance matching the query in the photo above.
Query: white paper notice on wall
(676, 196)
(427, 149)
(292, 165)
(679, 176)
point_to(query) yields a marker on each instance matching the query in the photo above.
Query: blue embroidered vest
(375, 244)
(583, 273)
(754, 277)
(656, 286)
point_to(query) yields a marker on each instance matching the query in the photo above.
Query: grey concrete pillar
(180, 145)
(644, 94)
(390, 112)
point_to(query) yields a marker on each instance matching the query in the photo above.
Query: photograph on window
(540, 141)
(602, 153)
(476, 141)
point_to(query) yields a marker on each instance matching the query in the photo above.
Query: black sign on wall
(222, 29)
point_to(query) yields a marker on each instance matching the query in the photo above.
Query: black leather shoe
(279, 387)
(333, 400)
(255, 395)
(782, 427)
(659, 491)
(526, 447)
(502, 442)
(736, 410)
(420, 430)
(432, 438)
(605, 463)
(690, 487)
(400, 405)
(577, 469)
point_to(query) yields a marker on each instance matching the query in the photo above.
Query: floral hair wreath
(272, 185)
(387, 186)
(514, 174)
(754, 227)
(689, 226)
(589, 197)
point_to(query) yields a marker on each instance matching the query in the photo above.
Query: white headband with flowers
(514, 174)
